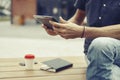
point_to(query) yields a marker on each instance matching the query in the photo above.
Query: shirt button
(104, 5)
(100, 18)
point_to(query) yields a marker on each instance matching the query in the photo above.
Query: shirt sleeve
(80, 4)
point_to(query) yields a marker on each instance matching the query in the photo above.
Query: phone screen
(45, 20)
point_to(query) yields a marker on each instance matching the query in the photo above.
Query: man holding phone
(102, 43)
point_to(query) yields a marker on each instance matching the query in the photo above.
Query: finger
(44, 26)
(62, 20)
(60, 31)
(65, 37)
(55, 24)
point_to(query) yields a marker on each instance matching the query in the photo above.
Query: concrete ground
(16, 41)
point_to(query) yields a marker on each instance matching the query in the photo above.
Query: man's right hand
(49, 31)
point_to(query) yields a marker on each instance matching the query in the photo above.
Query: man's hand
(49, 31)
(66, 29)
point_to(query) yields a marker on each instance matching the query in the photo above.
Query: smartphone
(45, 20)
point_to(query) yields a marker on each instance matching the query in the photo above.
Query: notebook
(55, 65)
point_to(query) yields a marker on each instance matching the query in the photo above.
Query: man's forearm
(74, 20)
(78, 18)
(107, 31)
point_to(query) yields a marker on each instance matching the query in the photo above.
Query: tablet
(45, 20)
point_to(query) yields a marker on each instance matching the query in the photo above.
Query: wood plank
(42, 58)
(11, 70)
(54, 77)
(13, 65)
(15, 61)
(18, 74)
(22, 68)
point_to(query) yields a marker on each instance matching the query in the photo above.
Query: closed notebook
(55, 65)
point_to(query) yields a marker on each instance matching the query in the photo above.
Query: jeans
(104, 59)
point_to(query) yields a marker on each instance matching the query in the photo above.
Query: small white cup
(29, 61)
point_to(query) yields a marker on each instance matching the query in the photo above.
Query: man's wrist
(83, 32)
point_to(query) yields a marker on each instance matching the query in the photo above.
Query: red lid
(29, 56)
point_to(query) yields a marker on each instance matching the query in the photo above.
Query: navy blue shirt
(99, 13)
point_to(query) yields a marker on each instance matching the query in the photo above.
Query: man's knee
(100, 44)
(100, 47)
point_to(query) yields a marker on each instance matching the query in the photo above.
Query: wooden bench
(11, 70)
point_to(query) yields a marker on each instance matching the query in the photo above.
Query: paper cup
(29, 61)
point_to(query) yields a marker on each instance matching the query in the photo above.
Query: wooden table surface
(11, 70)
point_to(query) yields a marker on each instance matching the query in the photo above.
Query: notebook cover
(57, 64)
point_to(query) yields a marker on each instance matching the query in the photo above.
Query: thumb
(62, 20)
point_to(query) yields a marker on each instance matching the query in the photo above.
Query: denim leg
(103, 54)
